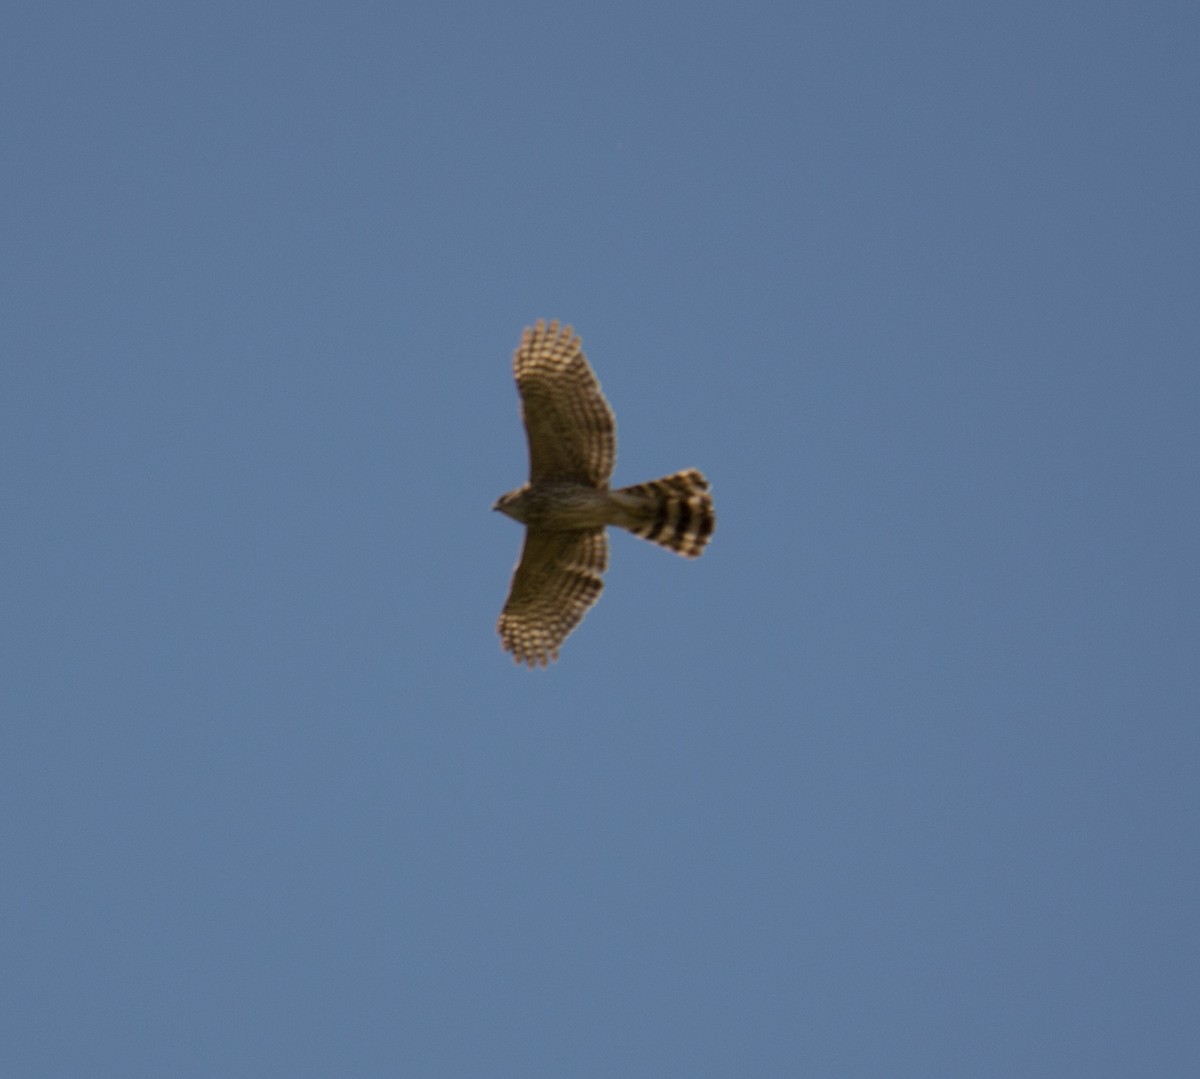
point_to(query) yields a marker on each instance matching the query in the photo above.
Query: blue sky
(899, 779)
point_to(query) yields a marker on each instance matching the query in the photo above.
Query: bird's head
(512, 504)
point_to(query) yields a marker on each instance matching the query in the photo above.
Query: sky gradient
(899, 779)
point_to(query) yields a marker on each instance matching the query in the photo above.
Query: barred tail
(675, 511)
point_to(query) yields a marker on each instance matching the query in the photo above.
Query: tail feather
(675, 511)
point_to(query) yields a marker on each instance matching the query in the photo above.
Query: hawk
(567, 503)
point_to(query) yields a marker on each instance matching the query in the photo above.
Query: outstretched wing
(569, 425)
(555, 584)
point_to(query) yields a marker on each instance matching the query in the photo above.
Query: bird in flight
(567, 503)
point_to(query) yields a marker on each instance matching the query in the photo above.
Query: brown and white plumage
(567, 503)
(555, 584)
(571, 429)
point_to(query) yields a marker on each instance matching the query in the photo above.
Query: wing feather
(554, 585)
(569, 425)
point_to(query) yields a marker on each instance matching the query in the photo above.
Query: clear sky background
(899, 779)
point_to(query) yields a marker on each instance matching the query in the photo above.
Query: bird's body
(559, 505)
(567, 503)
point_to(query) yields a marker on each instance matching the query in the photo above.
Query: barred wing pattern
(554, 585)
(567, 503)
(570, 427)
